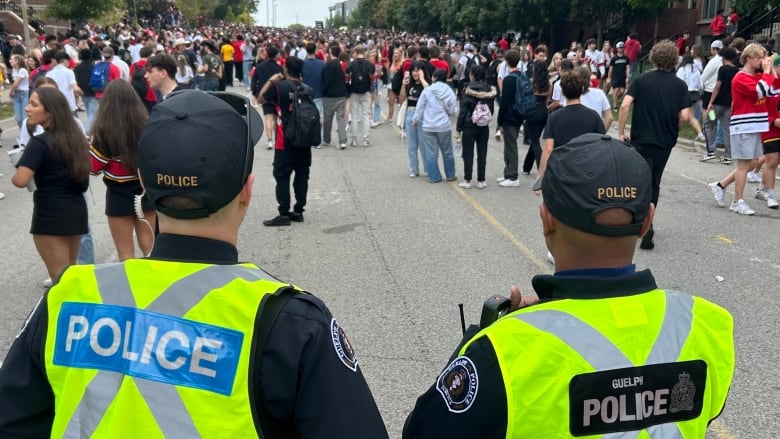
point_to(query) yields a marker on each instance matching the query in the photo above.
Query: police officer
(188, 342)
(604, 350)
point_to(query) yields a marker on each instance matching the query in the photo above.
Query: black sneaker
(280, 220)
(724, 161)
(296, 217)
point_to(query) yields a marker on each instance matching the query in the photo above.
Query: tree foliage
(80, 10)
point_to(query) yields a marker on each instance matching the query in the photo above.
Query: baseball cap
(621, 45)
(717, 44)
(468, 46)
(592, 173)
(571, 55)
(200, 146)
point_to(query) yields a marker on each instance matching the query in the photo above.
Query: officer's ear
(648, 221)
(549, 223)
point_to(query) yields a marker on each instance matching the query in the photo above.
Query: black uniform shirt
(310, 390)
(486, 417)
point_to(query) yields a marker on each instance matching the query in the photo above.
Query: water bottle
(711, 114)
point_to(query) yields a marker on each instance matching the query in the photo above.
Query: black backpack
(525, 101)
(470, 62)
(360, 76)
(138, 81)
(303, 128)
(491, 77)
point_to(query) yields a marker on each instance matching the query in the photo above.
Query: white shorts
(746, 146)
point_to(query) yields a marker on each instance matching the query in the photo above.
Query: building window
(709, 8)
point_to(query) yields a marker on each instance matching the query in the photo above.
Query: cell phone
(406, 74)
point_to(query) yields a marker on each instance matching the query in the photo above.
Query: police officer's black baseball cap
(200, 146)
(592, 173)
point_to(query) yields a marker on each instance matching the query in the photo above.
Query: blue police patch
(343, 347)
(147, 345)
(458, 384)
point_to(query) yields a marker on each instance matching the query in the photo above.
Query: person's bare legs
(57, 252)
(770, 169)
(740, 177)
(390, 104)
(121, 228)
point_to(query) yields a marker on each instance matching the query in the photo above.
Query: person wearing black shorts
(263, 72)
(619, 71)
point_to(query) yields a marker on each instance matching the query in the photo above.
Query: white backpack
(481, 115)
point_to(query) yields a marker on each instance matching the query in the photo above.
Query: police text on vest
(148, 345)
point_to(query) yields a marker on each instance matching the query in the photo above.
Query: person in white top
(20, 88)
(595, 59)
(595, 99)
(184, 74)
(124, 69)
(688, 72)
(65, 78)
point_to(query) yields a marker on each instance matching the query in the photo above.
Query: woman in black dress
(58, 161)
(118, 126)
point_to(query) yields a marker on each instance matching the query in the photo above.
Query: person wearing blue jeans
(20, 88)
(415, 140)
(435, 106)
(91, 104)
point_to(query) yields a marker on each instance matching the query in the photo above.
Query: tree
(653, 7)
(79, 11)
(192, 9)
(336, 22)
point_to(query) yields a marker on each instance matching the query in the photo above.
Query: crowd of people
(446, 93)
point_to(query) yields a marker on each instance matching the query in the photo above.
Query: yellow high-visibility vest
(152, 349)
(651, 365)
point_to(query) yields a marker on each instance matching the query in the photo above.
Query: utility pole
(26, 21)
(268, 13)
(275, 6)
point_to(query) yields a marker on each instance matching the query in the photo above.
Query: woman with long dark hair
(414, 81)
(118, 126)
(535, 123)
(58, 161)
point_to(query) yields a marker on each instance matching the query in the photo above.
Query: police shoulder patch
(343, 347)
(458, 384)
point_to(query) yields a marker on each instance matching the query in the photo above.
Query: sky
(307, 12)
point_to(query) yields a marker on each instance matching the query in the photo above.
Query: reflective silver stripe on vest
(163, 400)
(113, 285)
(602, 354)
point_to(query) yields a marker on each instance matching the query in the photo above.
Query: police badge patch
(458, 384)
(343, 347)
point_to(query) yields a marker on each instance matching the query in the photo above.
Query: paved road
(393, 257)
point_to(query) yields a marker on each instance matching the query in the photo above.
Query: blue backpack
(99, 77)
(525, 101)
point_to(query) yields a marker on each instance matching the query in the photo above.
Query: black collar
(183, 248)
(583, 287)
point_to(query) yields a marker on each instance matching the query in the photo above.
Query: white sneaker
(2, 195)
(481, 185)
(465, 184)
(366, 141)
(342, 145)
(719, 193)
(700, 137)
(47, 283)
(550, 257)
(771, 199)
(761, 194)
(374, 124)
(498, 135)
(270, 145)
(741, 207)
(753, 177)
(500, 179)
(353, 142)
(510, 183)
